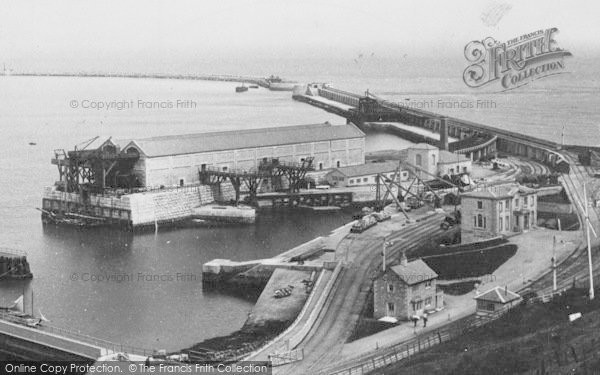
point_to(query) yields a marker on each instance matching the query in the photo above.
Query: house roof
(414, 272)
(500, 191)
(367, 169)
(401, 155)
(423, 146)
(240, 139)
(498, 294)
(447, 157)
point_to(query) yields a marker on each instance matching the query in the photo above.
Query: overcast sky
(103, 29)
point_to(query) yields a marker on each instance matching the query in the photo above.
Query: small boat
(241, 88)
(71, 219)
(283, 292)
(253, 86)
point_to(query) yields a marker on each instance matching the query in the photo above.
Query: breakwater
(263, 82)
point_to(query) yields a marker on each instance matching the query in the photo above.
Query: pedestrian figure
(414, 319)
(424, 320)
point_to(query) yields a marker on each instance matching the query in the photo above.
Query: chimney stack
(403, 259)
(444, 133)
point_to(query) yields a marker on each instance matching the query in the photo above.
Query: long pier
(476, 140)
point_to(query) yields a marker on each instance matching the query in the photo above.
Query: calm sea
(153, 296)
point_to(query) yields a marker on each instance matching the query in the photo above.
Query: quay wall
(138, 209)
(33, 344)
(168, 206)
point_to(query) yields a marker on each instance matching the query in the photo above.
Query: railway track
(575, 268)
(340, 315)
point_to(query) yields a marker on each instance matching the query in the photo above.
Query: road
(362, 256)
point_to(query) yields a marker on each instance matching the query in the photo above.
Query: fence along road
(340, 314)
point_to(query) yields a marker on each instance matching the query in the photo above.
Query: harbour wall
(161, 206)
(17, 341)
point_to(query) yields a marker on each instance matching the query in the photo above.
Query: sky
(124, 30)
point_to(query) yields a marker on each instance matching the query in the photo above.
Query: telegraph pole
(554, 265)
(589, 247)
(384, 246)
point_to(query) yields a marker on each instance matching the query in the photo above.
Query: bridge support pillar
(444, 133)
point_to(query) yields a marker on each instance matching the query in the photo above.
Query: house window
(479, 205)
(487, 306)
(417, 305)
(525, 201)
(433, 159)
(365, 179)
(500, 224)
(390, 287)
(500, 206)
(464, 169)
(428, 301)
(224, 169)
(181, 182)
(428, 284)
(480, 221)
(350, 181)
(338, 164)
(451, 170)
(391, 308)
(517, 203)
(506, 224)
(320, 166)
(418, 160)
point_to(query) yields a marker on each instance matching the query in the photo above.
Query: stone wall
(168, 205)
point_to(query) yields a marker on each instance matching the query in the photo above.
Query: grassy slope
(526, 340)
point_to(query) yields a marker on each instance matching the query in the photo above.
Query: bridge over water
(473, 139)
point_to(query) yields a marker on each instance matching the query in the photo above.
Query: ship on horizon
(6, 72)
(277, 84)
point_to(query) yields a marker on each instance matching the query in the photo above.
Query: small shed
(496, 301)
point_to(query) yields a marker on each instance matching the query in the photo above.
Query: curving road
(362, 256)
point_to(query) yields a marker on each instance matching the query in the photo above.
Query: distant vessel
(253, 86)
(278, 84)
(5, 72)
(241, 88)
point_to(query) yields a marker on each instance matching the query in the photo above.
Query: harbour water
(145, 290)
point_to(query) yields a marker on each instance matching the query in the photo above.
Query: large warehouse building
(176, 160)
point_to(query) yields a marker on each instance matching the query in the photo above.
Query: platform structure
(269, 170)
(94, 171)
(384, 186)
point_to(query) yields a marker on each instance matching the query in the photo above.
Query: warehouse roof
(240, 139)
(367, 169)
